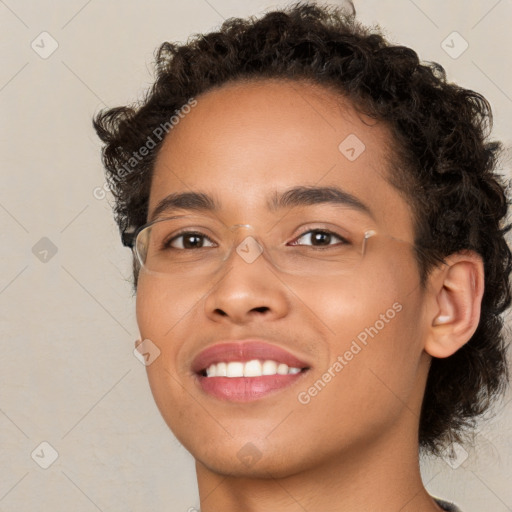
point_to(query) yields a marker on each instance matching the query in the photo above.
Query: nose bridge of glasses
(235, 227)
(245, 242)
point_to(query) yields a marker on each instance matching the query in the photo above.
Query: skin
(354, 446)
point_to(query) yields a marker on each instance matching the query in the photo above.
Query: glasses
(195, 246)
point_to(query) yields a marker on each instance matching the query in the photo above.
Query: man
(319, 260)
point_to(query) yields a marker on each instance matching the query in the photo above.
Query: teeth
(269, 368)
(253, 368)
(282, 369)
(222, 370)
(235, 369)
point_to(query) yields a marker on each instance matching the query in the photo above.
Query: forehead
(243, 142)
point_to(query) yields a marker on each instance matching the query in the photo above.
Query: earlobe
(456, 291)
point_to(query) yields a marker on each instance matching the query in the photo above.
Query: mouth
(246, 370)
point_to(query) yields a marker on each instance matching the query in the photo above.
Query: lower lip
(246, 389)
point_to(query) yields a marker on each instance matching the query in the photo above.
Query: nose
(249, 288)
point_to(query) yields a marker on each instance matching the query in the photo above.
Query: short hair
(442, 162)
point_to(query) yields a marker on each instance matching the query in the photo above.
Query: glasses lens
(179, 245)
(190, 246)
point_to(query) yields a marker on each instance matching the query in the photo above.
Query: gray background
(67, 318)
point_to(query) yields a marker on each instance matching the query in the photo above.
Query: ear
(453, 307)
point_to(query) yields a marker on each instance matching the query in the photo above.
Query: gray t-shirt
(445, 505)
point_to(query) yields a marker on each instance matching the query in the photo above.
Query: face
(355, 336)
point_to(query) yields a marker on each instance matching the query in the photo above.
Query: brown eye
(189, 240)
(320, 238)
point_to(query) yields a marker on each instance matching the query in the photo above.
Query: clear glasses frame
(196, 246)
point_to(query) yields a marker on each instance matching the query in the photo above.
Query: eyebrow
(293, 197)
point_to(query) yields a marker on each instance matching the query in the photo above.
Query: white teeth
(269, 368)
(282, 369)
(222, 370)
(253, 368)
(211, 371)
(235, 369)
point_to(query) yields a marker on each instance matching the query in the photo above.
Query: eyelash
(167, 245)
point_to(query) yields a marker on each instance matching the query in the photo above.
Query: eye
(189, 240)
(320, 238)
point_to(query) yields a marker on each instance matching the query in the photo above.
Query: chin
(261, 466)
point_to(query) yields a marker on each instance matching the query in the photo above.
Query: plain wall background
(67, 318)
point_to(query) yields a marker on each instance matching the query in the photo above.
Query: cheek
(374, 329)
(366, 303)
(373, 364)
(156, 314)
(160, 306)
(157, 311)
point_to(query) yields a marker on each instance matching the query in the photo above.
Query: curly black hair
(443, 163)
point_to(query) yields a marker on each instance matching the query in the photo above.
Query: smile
(247, 370)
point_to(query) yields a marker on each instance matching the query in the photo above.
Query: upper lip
(244, 350)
